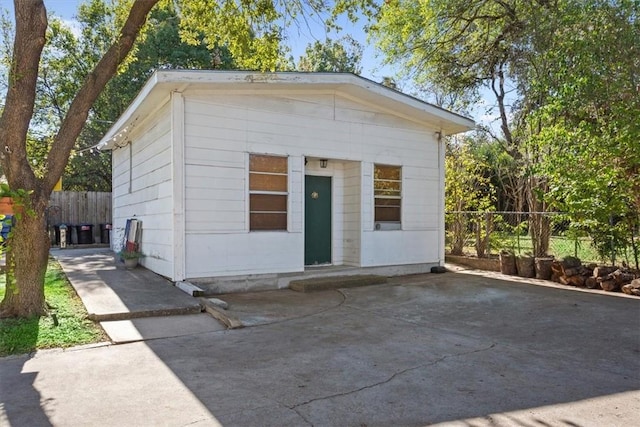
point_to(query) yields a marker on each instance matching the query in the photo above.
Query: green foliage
(342, 55)
(254, 31)
(589, 118)
(179, 35)
(65, 81)
(68, 57)
(248, 29)
(21, 200)
(571, 137)
(560, 246)
(467, 188)
(65, 326)
(130, 254)
(456, 45)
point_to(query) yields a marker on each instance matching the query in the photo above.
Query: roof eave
(120, 128)
(165, 81)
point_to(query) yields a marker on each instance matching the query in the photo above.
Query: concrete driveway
(450, 349)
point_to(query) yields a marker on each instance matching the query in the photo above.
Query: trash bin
(105, 230)
(85, 234)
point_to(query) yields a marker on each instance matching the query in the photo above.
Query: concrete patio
(451, 349)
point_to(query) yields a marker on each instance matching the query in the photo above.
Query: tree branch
(94, 83)
(31, 26)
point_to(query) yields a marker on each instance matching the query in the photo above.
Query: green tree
(572, 66)
(467, 188)
(334, 56)
(587, 104)
(28, 248)
(462, 47)
(249, 29)
(161, 48)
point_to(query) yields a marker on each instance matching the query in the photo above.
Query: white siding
(221, 129)
(351, 219)
(399, 247)
(142, 188)
(211, 254)
(220, 244)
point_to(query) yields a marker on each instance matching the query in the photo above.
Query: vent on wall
(387, 226)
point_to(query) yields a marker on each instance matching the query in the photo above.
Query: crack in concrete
(392, 377)
(295, 409)
(276, 402)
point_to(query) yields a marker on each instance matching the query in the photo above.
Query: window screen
(267, 192)
(387, 186)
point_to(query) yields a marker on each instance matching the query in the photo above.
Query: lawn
(559, 246)
(65, 326)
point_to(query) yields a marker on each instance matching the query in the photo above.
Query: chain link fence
(485, 234)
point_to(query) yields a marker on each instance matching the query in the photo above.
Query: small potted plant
(130, 257)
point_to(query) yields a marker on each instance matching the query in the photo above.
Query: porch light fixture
(323, 163)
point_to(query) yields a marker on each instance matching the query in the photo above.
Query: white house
(248, 174)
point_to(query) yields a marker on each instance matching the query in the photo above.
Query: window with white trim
(268, 192)
(387, 190)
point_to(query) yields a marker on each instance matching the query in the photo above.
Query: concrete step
(149, 328)
(335, 282)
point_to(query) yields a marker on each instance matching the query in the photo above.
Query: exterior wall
(351, 218)
(142, 188)
(218, 241)
(221, 129)
(419, 239)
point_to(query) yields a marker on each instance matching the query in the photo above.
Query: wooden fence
(76, 209)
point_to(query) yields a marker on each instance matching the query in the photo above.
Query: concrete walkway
(451, 349)
(131, 305)
(111, 292)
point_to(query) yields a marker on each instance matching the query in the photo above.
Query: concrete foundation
(265, 282)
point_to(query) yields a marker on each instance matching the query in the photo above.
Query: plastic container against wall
(85, 234)
(105, 230)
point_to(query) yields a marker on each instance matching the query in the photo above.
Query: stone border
(488, 264)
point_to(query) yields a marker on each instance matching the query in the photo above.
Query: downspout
(441, 204)
(178, 190)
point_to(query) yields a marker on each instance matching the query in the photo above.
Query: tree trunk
(459, 226)
(483, 234)
(29, 246)
(29, 240)
(539, 224)
(540, 230)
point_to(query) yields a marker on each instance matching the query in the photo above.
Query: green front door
(317, 226)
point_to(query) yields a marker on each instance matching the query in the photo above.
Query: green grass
(65, 326)
(559, 246)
